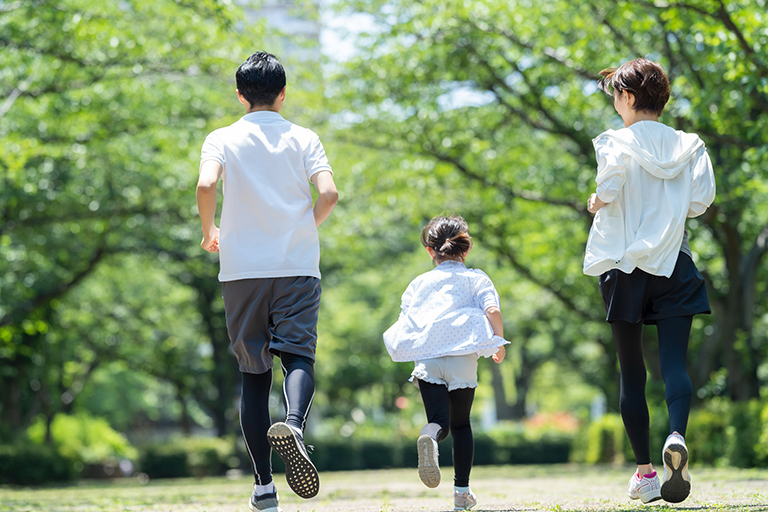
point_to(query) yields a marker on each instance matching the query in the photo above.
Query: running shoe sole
(299, 471)
(676, 486)
(429, 471)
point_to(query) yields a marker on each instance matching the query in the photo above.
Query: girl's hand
(499, 356)
(594, 203)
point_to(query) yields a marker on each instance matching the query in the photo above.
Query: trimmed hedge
(339, 454)
(212, 456)
(193, 456)
(720, 433)
(30, 464)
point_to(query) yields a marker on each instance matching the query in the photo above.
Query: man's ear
(242, 99)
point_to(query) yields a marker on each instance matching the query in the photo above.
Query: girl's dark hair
(448, 237)
(645, 79)
(260, 79)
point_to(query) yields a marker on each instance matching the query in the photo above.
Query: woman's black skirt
(643, 297)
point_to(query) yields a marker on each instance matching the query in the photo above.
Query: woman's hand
(594, 203)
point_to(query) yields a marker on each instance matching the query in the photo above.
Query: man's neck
(263, 109)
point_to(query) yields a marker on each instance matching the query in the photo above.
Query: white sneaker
(429, 467)
(645, 488)
(464, 500)
(676, 484)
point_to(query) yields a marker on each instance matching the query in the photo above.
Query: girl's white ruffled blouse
(652, 178)
(443, 314)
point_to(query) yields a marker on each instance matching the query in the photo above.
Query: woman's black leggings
(449, 410)
(673, 347)
(255, 420)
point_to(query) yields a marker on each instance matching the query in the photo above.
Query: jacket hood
(662, 151)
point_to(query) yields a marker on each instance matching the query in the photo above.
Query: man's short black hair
(260, 79)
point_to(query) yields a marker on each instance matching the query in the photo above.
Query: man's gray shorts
(271, 315)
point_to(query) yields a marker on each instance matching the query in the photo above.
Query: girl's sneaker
(464, 500)
(676, 484)
(645, 488)
(429, 467)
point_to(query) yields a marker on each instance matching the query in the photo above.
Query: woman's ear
(431, 252)
(630, 99)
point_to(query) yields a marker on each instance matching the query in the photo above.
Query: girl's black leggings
(673, 347)
(449, 410)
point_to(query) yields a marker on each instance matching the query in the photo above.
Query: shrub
(743, 434)
(706, 432)
(188, 456)
(83, 437)
(30, 464)
(607, 440)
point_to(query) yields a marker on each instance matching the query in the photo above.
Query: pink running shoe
(646, 488)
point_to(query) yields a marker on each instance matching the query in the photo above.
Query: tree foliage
(103, 105)
(488, 108)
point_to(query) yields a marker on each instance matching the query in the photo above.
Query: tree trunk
(503, 409)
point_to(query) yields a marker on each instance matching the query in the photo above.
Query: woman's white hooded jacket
(653, 177)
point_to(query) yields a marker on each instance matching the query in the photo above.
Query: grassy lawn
(499, 488)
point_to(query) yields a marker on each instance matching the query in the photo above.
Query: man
(269, 256)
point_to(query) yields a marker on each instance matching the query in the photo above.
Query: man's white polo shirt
(267, 225)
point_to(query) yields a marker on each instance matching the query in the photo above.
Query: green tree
(102, 108)
(488, 109)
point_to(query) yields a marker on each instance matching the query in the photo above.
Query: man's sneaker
(645, 488)
(429, 467)
(464, 500)
(676, 484)
(299, 471)
(264, 503)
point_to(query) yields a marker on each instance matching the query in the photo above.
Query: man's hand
(211, 240)
(594, 203)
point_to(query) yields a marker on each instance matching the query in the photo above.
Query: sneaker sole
(268, 509)
(299, 471)
(428, 471)
(649, 497)
(676, 486)
(469, 507)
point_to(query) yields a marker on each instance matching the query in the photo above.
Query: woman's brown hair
(645, 79)
(448, 237)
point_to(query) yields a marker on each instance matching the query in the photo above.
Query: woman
(649, 179)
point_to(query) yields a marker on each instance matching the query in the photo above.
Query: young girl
(650, 177)
(450, 316)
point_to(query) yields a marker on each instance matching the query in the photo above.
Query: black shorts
(271, 315)
(643, 297)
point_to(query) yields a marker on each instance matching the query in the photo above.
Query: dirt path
(501, 488)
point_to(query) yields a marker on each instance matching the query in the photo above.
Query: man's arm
(327, 197)
(210, 173)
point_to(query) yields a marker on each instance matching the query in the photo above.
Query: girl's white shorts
(456, 372)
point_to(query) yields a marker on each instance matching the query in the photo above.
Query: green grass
(499, 488)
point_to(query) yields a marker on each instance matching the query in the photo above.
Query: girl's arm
(494, 317)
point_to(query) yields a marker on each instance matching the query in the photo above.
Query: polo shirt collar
(263, 115)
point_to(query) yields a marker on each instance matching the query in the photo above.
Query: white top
(653, 177)
(443, 314)
(267, 225)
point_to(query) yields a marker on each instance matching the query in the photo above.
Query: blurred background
(113, 348)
